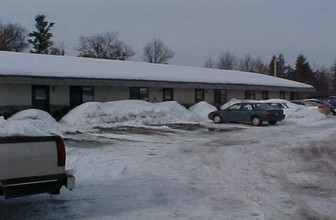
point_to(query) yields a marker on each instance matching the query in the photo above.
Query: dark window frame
(202, 94)
(136, 93)
(219, 98)
(171, 95)
(282, 95)
(250, 94)
(37, 103)
(264, 95)
(77, 94)
(294, 95)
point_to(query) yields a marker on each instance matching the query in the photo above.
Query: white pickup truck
(33, 165)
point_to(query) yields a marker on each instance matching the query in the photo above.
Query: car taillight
(320, 106)
(60, 152)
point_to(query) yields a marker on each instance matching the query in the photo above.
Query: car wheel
(256, 121)
(272, 122)
(217, 119)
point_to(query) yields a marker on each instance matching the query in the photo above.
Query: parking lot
(195, 171)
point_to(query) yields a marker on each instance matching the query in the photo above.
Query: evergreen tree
(322, 81)
(303, 72)
(40, 39)
(281, 69)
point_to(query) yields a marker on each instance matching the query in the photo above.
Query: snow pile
(299, 112)
(36, 120)
(19, 128)
(33, 114)
(202, 109)
(128, 111)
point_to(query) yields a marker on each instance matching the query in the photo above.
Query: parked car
(314, 104)
(252, 112)
(331, 101)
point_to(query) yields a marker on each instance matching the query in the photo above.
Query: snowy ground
(195, 171)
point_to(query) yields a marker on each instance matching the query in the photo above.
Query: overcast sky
(194, 29)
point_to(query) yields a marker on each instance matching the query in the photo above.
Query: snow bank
(20, 128)
(40, 123)
(33, 114)
(202, 109)
(129, 111)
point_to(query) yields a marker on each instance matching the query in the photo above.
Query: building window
(294, 96)
(140, 93)
(282, 95)
(167, 94)
(40, 97)
(249, 94)
(199, 95)
(264, 95)
(80, 94)
(220, 96)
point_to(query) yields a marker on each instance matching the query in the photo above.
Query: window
(248, 107)
(167, 94)
(220, 96)
(282, 95)
(264, 95)
(199, 95)
(294, 96)
(249, 94)
(80, 94)
(40, 97)
(140, 93)
(235, 107)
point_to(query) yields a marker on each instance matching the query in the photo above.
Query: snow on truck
(33, 165)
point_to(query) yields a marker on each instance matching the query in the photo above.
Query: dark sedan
(255, 113)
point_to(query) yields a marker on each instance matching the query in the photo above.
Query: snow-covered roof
(26, 64)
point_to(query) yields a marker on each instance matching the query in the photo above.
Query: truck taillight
(60, 152)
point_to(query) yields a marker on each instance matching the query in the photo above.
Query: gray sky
(194, 29)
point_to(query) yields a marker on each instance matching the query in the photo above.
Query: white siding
(15, 95)
(155, 95)
(106, 93)
(59, 95)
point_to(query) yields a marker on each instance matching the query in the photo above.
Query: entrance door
(40, 97)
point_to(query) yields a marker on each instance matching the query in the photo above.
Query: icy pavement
(207, 171)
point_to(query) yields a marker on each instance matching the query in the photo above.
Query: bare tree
(156, 52)
(246, 64)
(260, 66)
(12, 37)
(104, 46)
(226, 61)
(209, 63)
(57, 49)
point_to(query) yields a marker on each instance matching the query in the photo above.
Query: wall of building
(238, 94)
(15, 95)
(184, 96)
(59, 95)
(155, 94)
(110, 93)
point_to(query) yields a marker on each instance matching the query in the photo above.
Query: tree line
(323, 79)
(14, 37)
